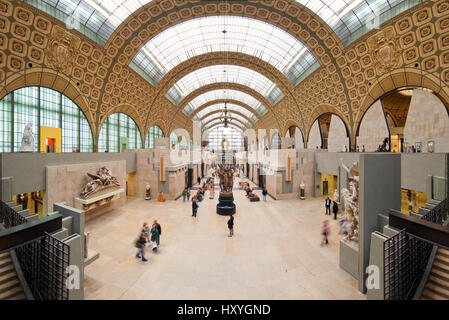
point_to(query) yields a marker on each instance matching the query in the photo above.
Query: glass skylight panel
(346, 17)
(225, 73)
(220, 107)
(101, 17)
(203, 35)
(225, 94)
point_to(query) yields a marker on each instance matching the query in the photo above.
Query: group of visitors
(148, 237)
(328, 203)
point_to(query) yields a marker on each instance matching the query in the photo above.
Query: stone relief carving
(351, 200)
(102, 180)
(61, 50)
(384, 48)
(27, 139)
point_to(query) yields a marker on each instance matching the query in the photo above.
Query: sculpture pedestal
(226, 205)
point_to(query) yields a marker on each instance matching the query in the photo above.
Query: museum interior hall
(224, 149)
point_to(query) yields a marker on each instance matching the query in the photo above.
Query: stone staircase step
(6, 269)
(10, 294)
(442, 259)
(441, 291)
(440, 274)
(443, 251)
(9, 285)
(8, 277)
(5, 261)
(430, 295)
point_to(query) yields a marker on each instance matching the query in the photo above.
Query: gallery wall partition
(42, 107)
(119, 132)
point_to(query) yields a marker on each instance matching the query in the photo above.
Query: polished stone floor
(274, 254)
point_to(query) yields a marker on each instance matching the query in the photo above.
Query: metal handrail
(44, 263)
(9, 217)
(406, 257)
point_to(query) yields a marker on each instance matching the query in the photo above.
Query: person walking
(154, 237)
(159, 229)
(146, 229)
(325, 232)
(231, 225)
(199, 180)
(184, 194)
(194, 206)
(335, 209)
(188, 194)
(140, 245)
(264, 193)
(328, 206)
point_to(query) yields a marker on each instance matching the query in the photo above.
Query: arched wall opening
(153, 133)
(118, 132)
(329, 132)
(58, 123)
(295, 133)
(413, 119)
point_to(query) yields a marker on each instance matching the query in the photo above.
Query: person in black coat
(328, 206)
(231, 225)
(194, 206)
(335, 210)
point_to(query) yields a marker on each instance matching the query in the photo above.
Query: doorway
(325, 188)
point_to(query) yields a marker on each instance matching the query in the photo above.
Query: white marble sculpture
(351, 200)
(27, 139)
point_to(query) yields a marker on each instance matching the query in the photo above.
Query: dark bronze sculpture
(226, 204)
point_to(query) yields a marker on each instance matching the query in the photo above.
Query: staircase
(10, 288)
(437, 286)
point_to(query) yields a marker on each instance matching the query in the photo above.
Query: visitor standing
(154, 237)
(188, 194)
(335, 209)
(194, 206)
(199, 180)
(146, 229)
(325, 232)
(363, 148)
(140, 245)
(184, 194)
(328, 206)
(159, 229)
(264, 193)
(231, 225)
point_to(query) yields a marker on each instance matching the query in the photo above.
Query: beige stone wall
(176, 181)
(373, 128)
(65, 182)
(337, 137)
(427, 120)
(314, 137)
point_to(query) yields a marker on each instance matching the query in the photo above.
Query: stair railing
(9, 217)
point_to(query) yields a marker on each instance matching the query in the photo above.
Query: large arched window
(174, 143)
(119, 132)
(153, 133)
(42, 107)
(232, 135)
(275, 141)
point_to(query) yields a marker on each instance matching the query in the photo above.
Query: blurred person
(325, 231)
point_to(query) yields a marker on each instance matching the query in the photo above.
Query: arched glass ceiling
(350, 19)
(96, 19)
(210, 128)
(231, 107)
(203, 35)
(225, 94)
(225, 73)
(217, 115)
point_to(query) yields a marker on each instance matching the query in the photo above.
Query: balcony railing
(10, 218)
